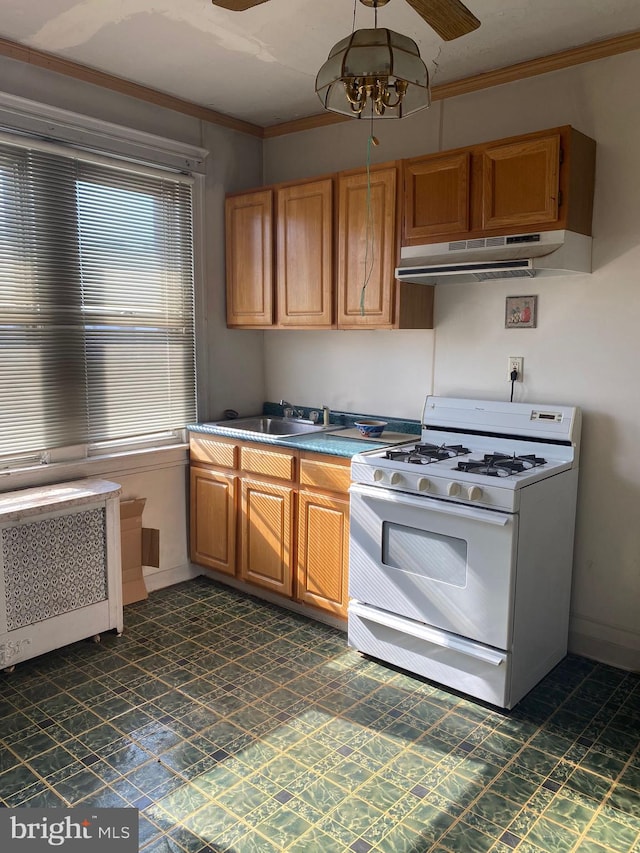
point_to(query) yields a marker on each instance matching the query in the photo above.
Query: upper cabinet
(292, 282)
(249, 259)
(521, 183)
(369, 296)
(437, 196)
(322, 253)
(304, 255)
(367, 247)
(293, 286)
(540, 181)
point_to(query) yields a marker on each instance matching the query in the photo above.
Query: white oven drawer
(470, 668)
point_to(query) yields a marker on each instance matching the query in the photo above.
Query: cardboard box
(133, 585)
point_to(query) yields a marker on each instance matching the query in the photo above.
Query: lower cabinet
(323, 532)
(213, 519)
(266, 535)
(323, 551)
(274, 518)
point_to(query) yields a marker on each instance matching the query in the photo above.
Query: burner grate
(500, 464)
(425, 454)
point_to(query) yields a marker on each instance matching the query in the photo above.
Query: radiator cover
(60, 578)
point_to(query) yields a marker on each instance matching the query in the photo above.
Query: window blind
(96, 301)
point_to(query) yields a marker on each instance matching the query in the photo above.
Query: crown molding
(497, 77)
(488, 79)
(541, 65)
(48, 61)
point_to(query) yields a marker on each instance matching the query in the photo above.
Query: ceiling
(260, 65)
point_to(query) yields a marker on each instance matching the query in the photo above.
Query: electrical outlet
(516, 362)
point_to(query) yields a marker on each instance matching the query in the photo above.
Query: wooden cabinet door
(323, 552)
(436, 197)
(249, 259)
(266, 535)
(213, 519)
(304, 254)
(367, 249)
(520, 185)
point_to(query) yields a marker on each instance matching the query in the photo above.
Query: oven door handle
(429, 635)
(485, 515)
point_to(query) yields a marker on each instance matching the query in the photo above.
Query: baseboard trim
(169, 577)
(604, 643)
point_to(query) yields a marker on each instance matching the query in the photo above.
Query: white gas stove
(461, 545)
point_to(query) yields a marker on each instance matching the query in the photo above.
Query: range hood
(544, 253)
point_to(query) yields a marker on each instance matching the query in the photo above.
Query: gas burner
(442, 451)
(500, 464)
(425, 454)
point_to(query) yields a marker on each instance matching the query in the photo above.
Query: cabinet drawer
(269, 463)
(325, 475)
(213, 451)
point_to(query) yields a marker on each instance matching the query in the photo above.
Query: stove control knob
(423, 485)
(395, 479)
(453, 489)
(474, 493)
(378, 475)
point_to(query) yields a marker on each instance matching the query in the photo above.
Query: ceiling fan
(449, 18)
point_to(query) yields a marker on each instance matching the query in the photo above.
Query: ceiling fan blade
(237, 5)
(449, 18)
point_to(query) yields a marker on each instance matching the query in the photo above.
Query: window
(96, 300)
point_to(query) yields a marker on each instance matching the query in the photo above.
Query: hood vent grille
(477, 243)
(490, 275)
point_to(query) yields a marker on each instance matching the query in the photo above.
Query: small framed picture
(521, 312)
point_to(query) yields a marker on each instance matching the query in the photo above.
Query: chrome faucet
(290, 411)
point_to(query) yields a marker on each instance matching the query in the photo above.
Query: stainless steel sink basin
(266, 425)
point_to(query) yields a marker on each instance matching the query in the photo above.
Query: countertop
(333, 443)
(318, 442)
(330, 442)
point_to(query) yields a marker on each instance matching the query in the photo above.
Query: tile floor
(234, 725)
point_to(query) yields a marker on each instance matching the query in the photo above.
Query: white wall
(584, 351)
(230, 367)
(371, 372)
(230, 364)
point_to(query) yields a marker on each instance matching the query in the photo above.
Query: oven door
(444, 564)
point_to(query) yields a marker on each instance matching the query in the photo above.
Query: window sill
(108, 465)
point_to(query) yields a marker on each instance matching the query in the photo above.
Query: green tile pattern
(235, 725)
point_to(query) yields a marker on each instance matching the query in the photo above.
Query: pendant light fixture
(374, 73)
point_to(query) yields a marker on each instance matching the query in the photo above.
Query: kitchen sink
(273, 425)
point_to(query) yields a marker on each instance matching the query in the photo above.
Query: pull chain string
(369, 251)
